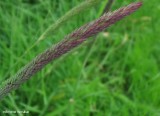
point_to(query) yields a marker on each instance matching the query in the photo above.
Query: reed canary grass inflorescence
(71, 41)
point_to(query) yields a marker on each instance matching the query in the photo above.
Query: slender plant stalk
(108, 6)
(71, 41)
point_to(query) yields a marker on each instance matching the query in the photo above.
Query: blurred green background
(117, 75)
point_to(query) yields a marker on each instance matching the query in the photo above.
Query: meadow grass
(117, 75)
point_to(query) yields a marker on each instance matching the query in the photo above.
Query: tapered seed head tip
(138, 4)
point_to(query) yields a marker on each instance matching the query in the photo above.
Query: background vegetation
(117, 75)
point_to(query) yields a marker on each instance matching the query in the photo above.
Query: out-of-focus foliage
(117, 75)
